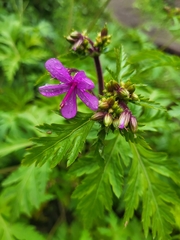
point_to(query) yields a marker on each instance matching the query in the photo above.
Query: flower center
(71, 89)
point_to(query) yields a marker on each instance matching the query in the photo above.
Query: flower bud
(73, 37)
(118, 111)
(103, 105)
(108, 120)
(133, 124)
(112, 85)
(134, 97)
(104, 32)
(131, 88)
(124, 119)
(98, 116)
(123, 93)
(116, 123)
(127, 84)
(110, 101)
(109, 87)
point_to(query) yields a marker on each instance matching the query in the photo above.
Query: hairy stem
(99, 74)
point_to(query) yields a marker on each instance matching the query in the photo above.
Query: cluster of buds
(113, 110)
(78, 41)
(83, 45)
(172, 11)
(102, 39)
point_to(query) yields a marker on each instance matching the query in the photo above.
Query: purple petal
(83, 81)
(51, 90)
(90, 100)
(69, 109)
(57, 70)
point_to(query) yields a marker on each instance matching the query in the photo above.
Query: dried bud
(98, 116)
(133, 124)
(124, 119)
(108, 120)
(104, 32)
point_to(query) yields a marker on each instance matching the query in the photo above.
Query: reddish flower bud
(133, 124)
(104, 32)
(124, 119)
(98, 116)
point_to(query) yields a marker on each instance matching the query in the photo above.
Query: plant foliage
(88, 177)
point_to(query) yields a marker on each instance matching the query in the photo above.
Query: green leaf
(7, 148)
(154, 58)
(146, 102)
(114, 167)
(94, 194)
(67, 145)
(123, 68)
(86, 165)
(20, 231)
(25, 189)
(144, 183)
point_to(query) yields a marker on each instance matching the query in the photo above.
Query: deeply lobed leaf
(67, 145)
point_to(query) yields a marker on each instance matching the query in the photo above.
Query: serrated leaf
(67, 145)
(13, 231)
(86, 165)
(142, 182)
(94, 194)
(154, 58)
(123, 70)
(30, 233)
(113, 165)
(146, 102)
(113, 75)
(25, 188)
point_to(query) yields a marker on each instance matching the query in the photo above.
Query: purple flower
(78, 84)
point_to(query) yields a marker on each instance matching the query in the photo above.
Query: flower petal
(69, 109)
(83, 81)
(57, 70)
(51, 90)
(90, 100)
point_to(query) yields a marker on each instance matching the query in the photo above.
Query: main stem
(99, 74)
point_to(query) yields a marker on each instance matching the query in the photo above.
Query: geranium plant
(104, 147)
